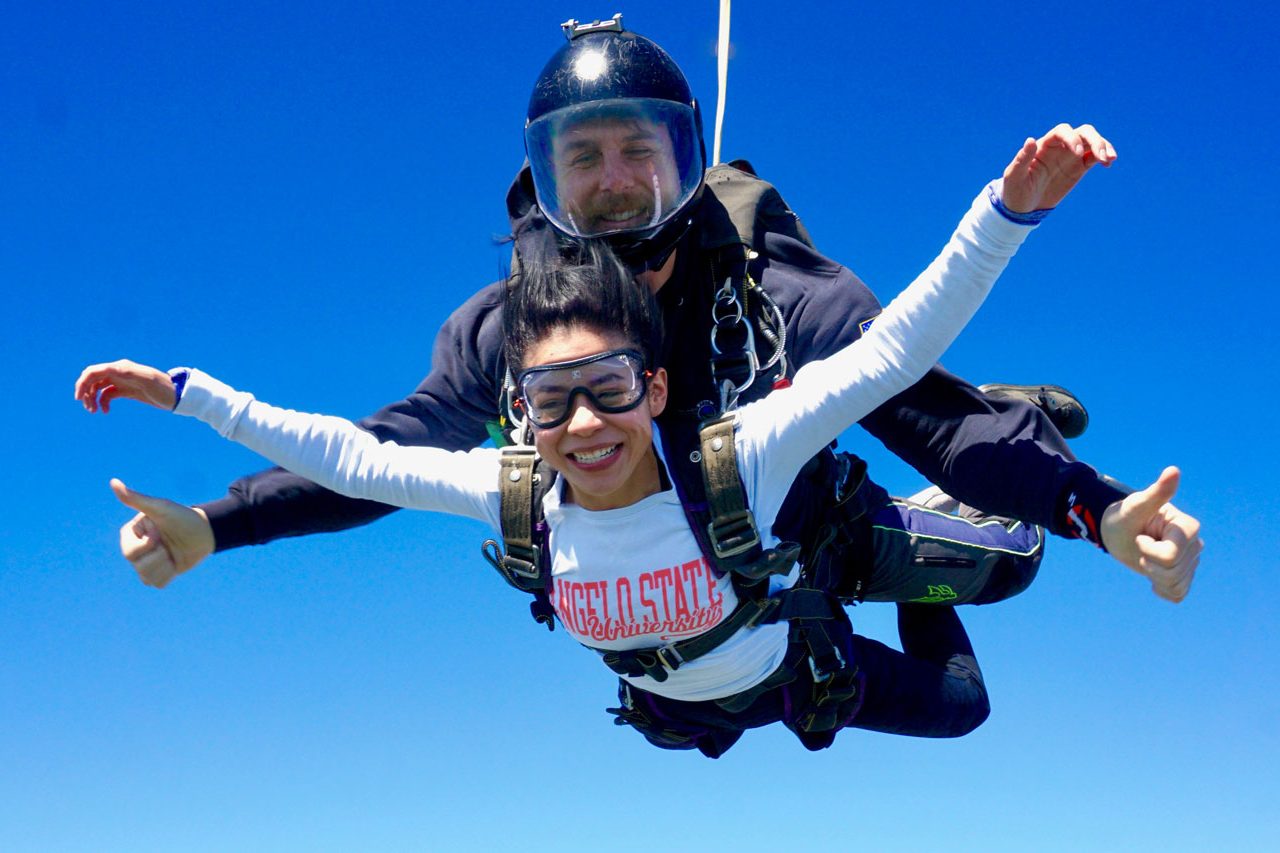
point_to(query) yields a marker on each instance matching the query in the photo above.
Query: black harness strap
(732, 531)
(521, 559)
(655, 663)
(515, 485)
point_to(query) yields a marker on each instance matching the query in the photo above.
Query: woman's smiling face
(607, 460)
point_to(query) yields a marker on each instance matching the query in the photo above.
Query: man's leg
(1064, 409)
(932, 688)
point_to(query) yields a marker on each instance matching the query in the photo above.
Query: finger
(1166, 583)
(89, 376)
(1098, 146)
(1164, 540)
(1186, 526)
(107, 395)
(1146, 503)
(1187, 576)
(138, 536)
(1163, 553)
(94, 379)
(1062, 136)
(1026, 154)
(155, 569)
(1174, 583)
(87, 393)
(144, 504)
(1020, 166)
(1173, 586)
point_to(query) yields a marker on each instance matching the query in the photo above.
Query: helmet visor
(613, 382)
(614, 166)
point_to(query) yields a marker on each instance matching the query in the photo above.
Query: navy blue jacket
(1002, 456)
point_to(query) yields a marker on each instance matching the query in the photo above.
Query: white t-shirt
(634, 577)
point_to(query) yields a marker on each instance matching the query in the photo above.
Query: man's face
(615, 174)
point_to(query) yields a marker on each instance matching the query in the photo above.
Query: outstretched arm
(328, 450)
(449, 409)
(917, 327)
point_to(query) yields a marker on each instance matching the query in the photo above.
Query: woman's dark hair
(582, 284)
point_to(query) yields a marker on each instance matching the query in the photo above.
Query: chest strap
(798, 606)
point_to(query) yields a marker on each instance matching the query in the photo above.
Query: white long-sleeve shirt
(634, 577)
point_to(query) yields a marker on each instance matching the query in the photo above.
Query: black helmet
(614, 138)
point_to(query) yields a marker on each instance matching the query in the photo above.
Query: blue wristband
(1035, 217)
(179, 376)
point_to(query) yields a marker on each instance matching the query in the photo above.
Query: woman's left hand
(1046, 169)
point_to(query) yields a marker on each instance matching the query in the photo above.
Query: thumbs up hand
(1154, 538)
(164, 539)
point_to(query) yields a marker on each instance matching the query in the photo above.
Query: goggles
(613, 382)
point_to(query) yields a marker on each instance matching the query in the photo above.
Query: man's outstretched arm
(449, 409)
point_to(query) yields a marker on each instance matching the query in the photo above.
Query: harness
(735, 206)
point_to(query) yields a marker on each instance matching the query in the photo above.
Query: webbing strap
(656, 662)
(732, 528)
(798, 605)
(515, 485)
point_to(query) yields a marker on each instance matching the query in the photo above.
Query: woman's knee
(967, 696)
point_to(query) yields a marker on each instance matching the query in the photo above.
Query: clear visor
(614, 166)
(613, 381)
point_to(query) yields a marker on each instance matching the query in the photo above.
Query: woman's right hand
(99, 384)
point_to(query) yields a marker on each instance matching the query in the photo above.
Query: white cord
(722, 63)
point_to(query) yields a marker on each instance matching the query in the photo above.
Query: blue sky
(294, 198)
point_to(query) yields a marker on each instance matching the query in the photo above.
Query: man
(615, 151)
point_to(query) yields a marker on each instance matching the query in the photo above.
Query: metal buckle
(519, 560)
(820, 675)
(733, 527)
(727, 313)
(669, 652)
(767, 607)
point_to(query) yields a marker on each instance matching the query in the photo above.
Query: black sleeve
(449, 410)
(1004, 457)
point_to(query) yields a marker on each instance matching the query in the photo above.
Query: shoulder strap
(725, 526)
(738, 206)
(522, 558)
(731, 532)
(520, 562)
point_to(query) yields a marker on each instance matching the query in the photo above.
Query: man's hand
(1046, 169)
(164, 539)
(1154, 538)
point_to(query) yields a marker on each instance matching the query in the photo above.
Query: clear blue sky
(294, 198)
